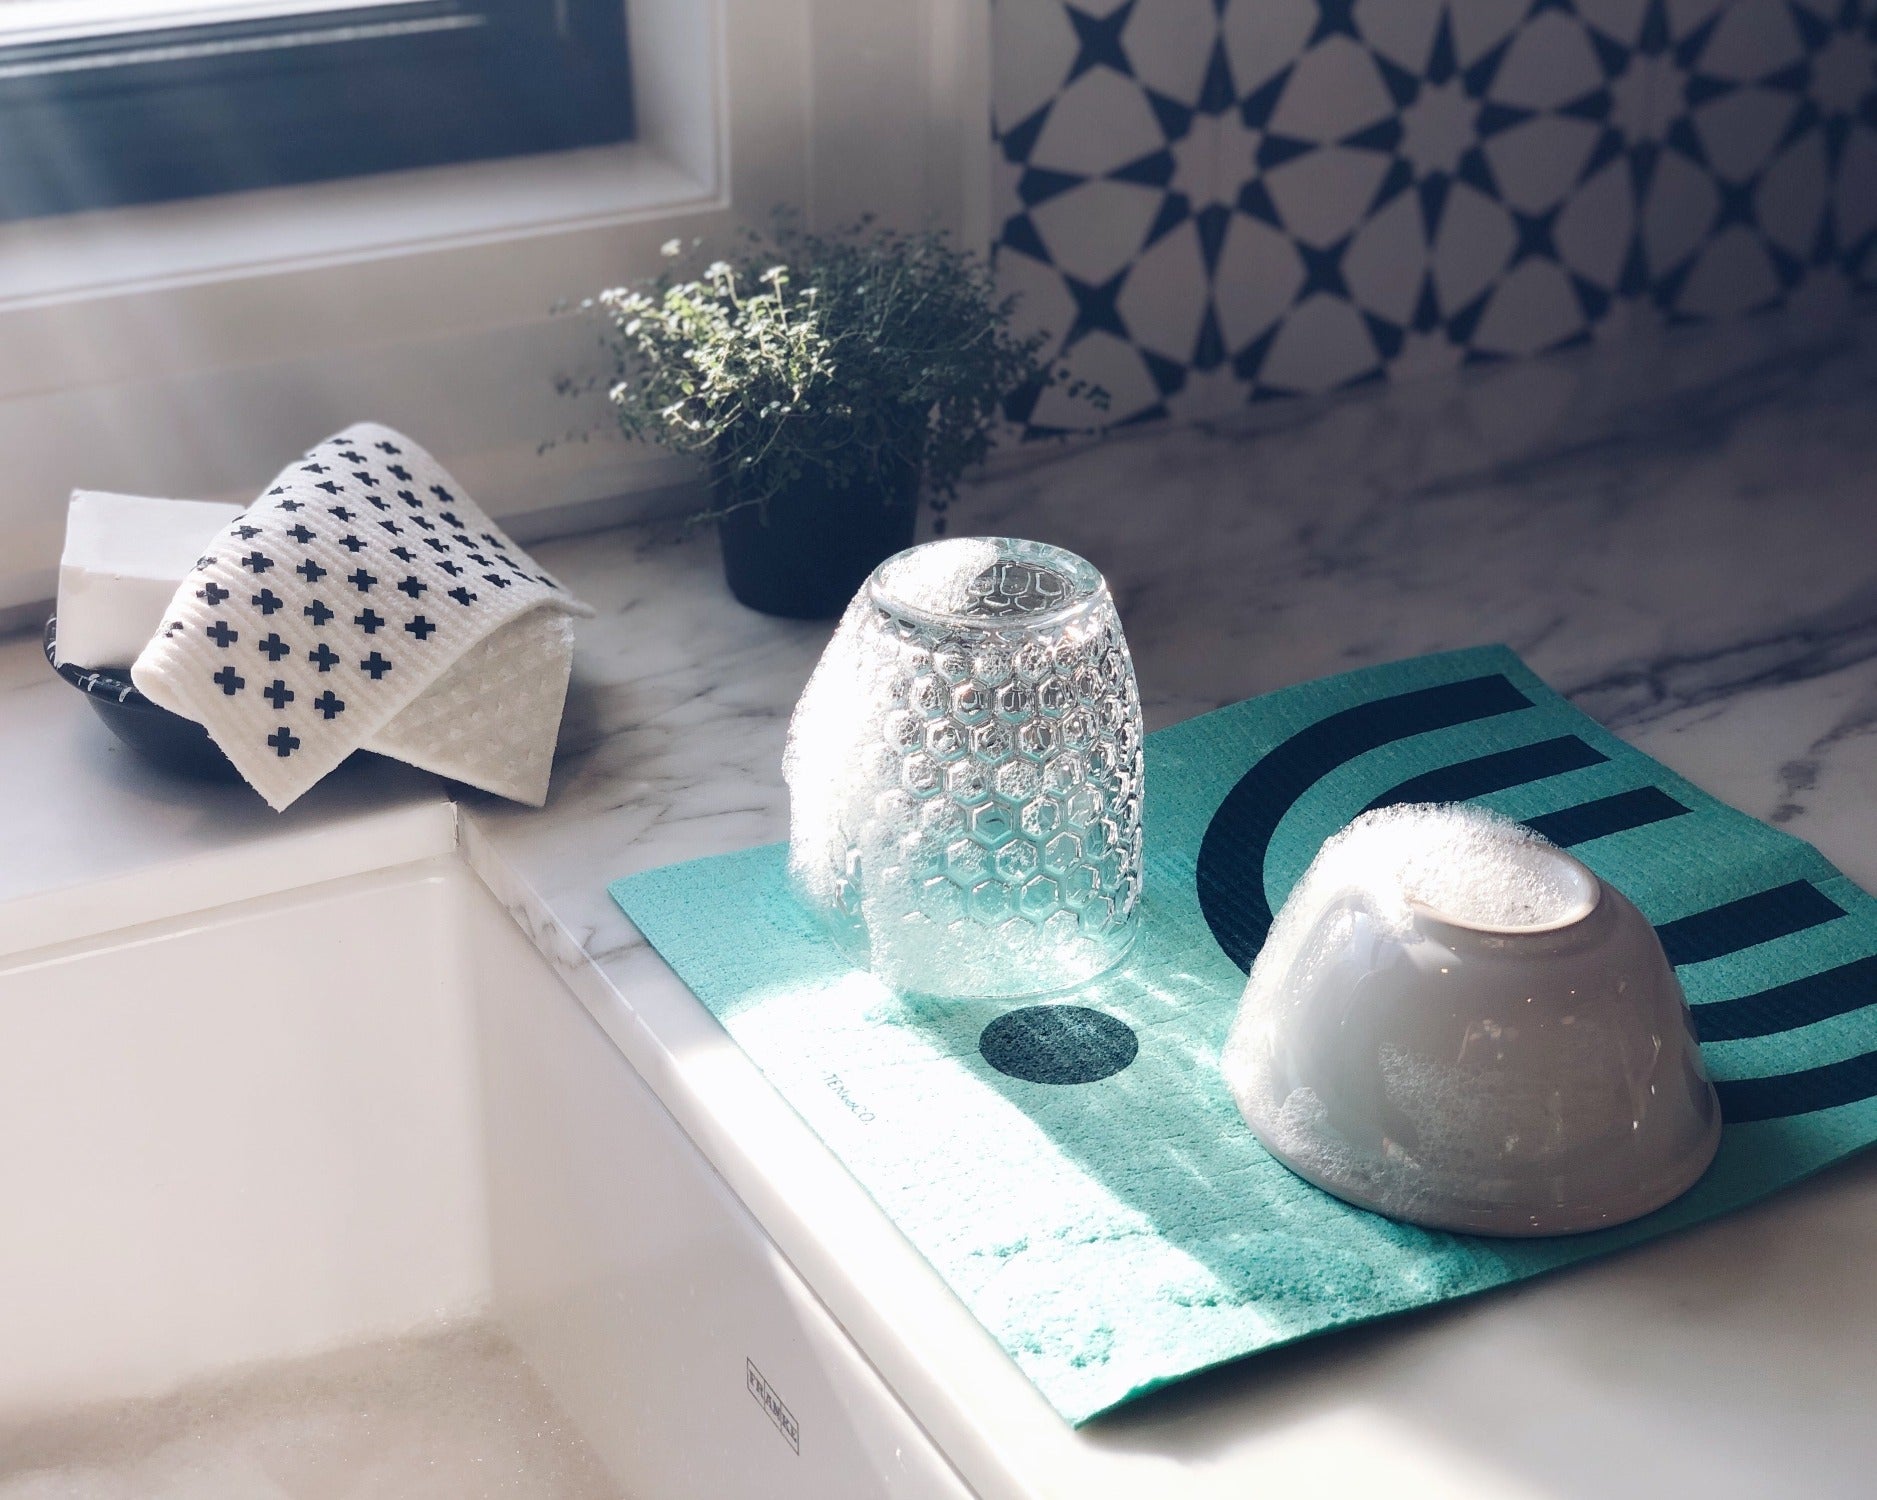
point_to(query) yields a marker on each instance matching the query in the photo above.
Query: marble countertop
(1698, 573)
(1681, 541)
(1679, 536)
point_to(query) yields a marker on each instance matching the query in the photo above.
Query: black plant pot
(806, 553)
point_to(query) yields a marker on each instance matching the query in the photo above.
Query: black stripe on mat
(1785, 1007)
(1801, 1093)
(1230, 868)
(1494, 773)
(1735, 925)
(1594, 820)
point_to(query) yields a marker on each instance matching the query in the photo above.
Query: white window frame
(191, 348)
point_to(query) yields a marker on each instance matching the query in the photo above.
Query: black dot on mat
(1058, 1044)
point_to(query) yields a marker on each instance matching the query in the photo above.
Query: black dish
(169, 740)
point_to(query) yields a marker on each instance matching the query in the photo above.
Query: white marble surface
(1699, 573)
(1679, 537)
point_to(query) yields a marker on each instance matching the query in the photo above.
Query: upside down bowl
(1513, 1059)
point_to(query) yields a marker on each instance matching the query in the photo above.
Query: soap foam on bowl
(1464, 864)
(1455, 1023)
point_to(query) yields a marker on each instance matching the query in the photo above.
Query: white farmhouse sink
(366, 1110)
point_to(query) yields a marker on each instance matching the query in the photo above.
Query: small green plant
(872, 357)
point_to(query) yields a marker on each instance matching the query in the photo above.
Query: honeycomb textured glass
(964, 773)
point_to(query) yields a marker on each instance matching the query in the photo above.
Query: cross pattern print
(357, 581)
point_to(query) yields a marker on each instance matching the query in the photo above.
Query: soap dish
(166, 739)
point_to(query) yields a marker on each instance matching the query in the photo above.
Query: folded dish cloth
(366, 602)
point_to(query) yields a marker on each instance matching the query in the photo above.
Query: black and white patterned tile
(1212, 201)
(1763, 182)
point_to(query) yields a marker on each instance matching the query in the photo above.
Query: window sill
(156, 247)
(182, 349)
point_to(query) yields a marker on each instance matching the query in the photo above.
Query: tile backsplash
(1209, 202)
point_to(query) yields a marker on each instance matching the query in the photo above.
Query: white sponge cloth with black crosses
(491, 720)
(365, 601)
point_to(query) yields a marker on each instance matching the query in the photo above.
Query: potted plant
(829, 383)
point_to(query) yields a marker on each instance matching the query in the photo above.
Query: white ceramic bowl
(1461, 1070)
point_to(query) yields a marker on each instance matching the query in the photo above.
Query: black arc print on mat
(1230, 872)
(1229, 875)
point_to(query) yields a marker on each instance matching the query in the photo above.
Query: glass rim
(879, 593)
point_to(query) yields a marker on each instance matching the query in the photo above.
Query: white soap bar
(124, 557)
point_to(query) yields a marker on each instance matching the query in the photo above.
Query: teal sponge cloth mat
(1118, 1234)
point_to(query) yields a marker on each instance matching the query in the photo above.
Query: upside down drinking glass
(964, 773)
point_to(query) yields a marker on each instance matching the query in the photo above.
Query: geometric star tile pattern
(1206, 202)
(1764, 175)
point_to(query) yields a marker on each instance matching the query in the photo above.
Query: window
(180, 348)
(110, 102)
